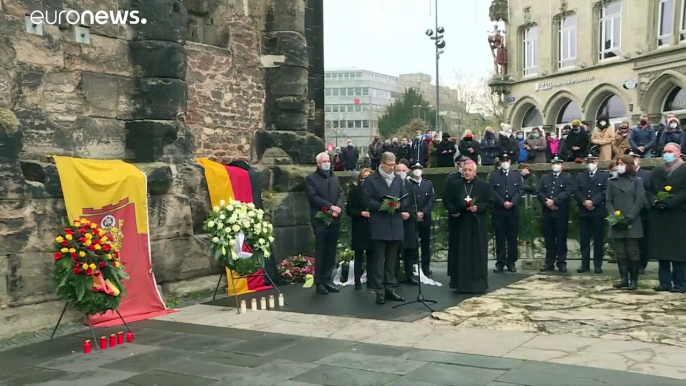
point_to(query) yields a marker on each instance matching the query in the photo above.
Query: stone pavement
(175, 353)
(580, 305)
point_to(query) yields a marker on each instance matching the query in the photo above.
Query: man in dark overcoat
(667, 196)
(644, 175)
(590, 191)
(387, 231)
(324, 191)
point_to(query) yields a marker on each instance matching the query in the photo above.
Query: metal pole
(437, 83)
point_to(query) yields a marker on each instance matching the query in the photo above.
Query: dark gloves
(659, 204)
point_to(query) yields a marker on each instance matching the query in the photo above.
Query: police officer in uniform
(589, 192)
(426, 200)
(555, 191)
(507, 186)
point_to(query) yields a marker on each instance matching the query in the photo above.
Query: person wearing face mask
(350, 155)
(672, 133)
(644, 175)
(625, 194)
(530, 181)
(523, 152)
(404, 151)
(622, 144)
(360, 241)
(489, 148)
(553, 145)
(459, 163)
(507, 143)
(667, 242)
(577, 144)
(388, 146)
(589, 192)
(426, 201)
(324, 190)
(445, 152)
(338, 164)
(643, 138)
(507, 186)
(603, 137)
(469, 147)
(410, 245)
(419, 150)
(555, 192)
(386, 229)
(536, 146)
(374, 151)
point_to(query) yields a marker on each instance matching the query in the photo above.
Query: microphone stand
(420, 296)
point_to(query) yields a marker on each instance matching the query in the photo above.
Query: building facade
(577, 59)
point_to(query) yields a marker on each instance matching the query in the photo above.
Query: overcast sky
(387, 36)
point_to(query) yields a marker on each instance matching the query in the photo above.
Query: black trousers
(410, 258)
(385, 264)
(361, 264)
(592, 228)
(643, 242)
(425, 242)
(626, 249)
(326, 241)
(555, 234)
(506, 224)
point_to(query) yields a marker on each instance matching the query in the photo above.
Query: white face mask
(557, 168)
(614, 174)
(673, 125)
(621, 169)
(505, 165)
(592, 167)
(602, 123)
(402, 175)
(326, 166)
(553, 137)
(417, 173)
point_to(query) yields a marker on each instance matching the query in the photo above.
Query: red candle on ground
(129, 337)
(87, 347)
(113, 340)
(120, 338)
(103, 342)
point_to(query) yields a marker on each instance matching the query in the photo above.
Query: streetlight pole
(440, 45)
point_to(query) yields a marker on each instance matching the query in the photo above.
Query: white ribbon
(240, 239)
(423, 278)
(350, 280)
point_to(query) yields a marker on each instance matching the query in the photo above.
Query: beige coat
(604, 138)
(622, 144)
(538, 147)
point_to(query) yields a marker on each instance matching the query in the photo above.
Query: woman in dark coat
(469, 147)
(626, 197)
(360, 241)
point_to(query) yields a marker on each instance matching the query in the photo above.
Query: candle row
(263, 303)
(113, 341)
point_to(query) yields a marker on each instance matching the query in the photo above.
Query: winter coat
(626, 194)
(360, 234)
(538, 148)
(622, 144)
(489, 149)
(604, 140)
(464, 146)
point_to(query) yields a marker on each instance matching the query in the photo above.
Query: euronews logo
(86, 17)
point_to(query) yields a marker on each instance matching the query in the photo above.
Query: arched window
(532, 117)
(613, 106)
(676, 100)
(569, 112)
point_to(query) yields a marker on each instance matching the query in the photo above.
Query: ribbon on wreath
(242, 249)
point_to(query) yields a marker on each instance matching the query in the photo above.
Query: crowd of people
(636, 209)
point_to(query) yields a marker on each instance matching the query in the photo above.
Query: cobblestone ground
(585, 306)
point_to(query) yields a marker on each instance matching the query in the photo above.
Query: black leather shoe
(499, 269)
(427, 271)
(563, 269)
(547, 269)
(512, 268)
(598, 270)
(661, 289)
(332, 288)
(583, 270)
(394, 297)
(321, 289)
(678, 291)
(411, 281)
(380, 299)
(358, 285)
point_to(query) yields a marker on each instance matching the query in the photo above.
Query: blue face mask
(669, 157)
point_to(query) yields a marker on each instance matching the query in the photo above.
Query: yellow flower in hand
(92, 266)
(97, 247)
(88, 236)
(59, 239)
(82, 254)
(668, 188)
(68, 237)
(64, 250)
(618, 213)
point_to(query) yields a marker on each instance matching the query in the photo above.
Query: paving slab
(159, 377)
(339, 376)
(376, 363)
(99, 377)
(266, 345)
(147, 361)
(443, 374)
(312, 350)
(269, 374)
(232, 358)
(197, 343)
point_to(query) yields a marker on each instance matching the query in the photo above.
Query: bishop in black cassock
(468, 201)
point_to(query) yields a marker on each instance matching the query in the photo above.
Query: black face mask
(643, 122)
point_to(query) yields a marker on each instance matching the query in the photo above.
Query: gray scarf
(387, 177)
(674, 166)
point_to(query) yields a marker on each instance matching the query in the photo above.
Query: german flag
(233, 182)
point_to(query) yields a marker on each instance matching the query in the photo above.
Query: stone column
(314, 32)
(286, 80)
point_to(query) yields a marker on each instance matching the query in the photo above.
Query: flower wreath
(88, 272)
(241, 237)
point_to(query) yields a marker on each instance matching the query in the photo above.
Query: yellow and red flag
(114, 194)
(225, 183)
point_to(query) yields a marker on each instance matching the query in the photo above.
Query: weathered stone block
(29, 318)
(104, 54)
(287, 120)
(160, 177)
(292, 45)
(303, 147)
(42, 136)
(293, 240)
(166, 20)
(182, 258)
(287, 81)
(19, 8)
(160, 98)
(26, 226)
(99, 138)
(191, 286)
(288, 209)
(158, 59)
(45, 50)
(287, 15)
(101, 92)
(29, 279)
(198, 7)
(194, 183)
(146, 140)
(108, 29)
(11, 138)
(275, 156)
(127, 91)
(169, 217)
(289, 178)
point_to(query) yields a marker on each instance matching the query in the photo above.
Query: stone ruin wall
(190, 83)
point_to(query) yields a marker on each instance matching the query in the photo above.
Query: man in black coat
(577, 143)
(426, 201)
(419, 151)
(555, 191)
(324, 192)
(387, 232)
(350, 155)
(507, 188)
(644, 175)
(445, 152)
(590, 191)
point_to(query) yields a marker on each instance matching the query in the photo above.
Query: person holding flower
(624, 201)
(666, 193)
(360, 241)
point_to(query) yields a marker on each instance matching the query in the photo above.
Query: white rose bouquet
(241, 237)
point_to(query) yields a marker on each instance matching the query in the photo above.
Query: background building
(580, 58)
